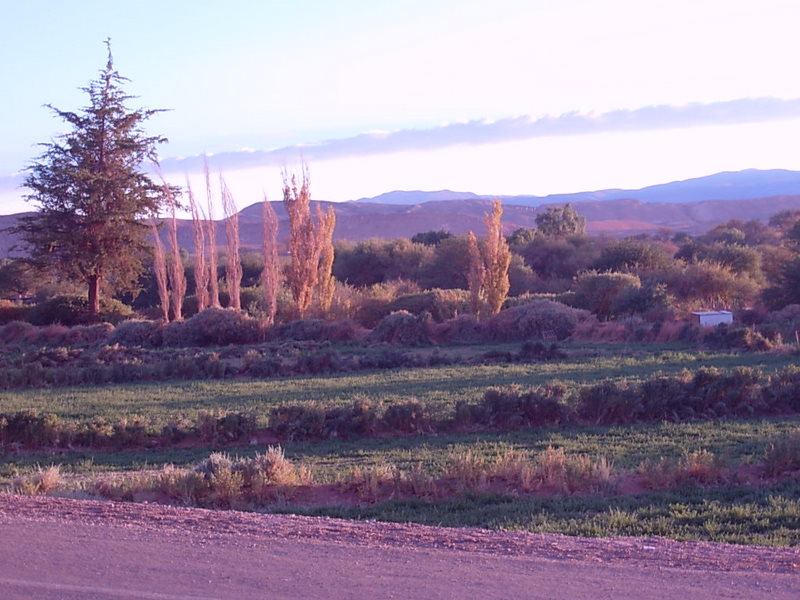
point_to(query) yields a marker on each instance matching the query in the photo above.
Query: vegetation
(91, 194)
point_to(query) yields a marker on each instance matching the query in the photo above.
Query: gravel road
(55, 548)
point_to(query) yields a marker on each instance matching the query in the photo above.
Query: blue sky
(506, 97)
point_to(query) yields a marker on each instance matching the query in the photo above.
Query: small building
(712, 318)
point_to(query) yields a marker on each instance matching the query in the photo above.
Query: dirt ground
(55, 548)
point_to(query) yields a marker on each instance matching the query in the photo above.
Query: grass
(742, 515)
(439, 387)
(741, 441)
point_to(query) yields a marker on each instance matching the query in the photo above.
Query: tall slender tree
(270, 274)
(177, 275)
(211, 236)
(160, 269)
(475, 276)
(326, 284)
(233, 266)
(199, 238)
(304, 251)
(91, 193)
(496, 260)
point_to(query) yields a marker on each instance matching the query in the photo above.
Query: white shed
(711, 318)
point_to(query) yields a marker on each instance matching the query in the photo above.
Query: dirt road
(69, 549)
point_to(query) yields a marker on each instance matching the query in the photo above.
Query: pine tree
(91, 194)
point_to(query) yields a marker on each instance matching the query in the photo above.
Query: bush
(135, 332)
(464, 329)
(540, 319)
(16, 331)
(213, 327)
(408, 417)
(403, 329)
(319, 330)
(440, 304)
(13, 312)
(74, 310)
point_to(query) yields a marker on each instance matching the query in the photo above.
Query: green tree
(560, 222)
(91, 192)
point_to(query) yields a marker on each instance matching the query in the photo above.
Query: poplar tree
(91, 193)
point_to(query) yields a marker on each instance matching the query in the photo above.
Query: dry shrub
(467, 469)
(368, 482)
(783, 455)
(415, 481)
(43, 481)
(697, 468)
(574, 473)
(516, 469)
(539, 319)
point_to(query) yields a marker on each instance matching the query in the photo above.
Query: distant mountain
(730, 185)
(672, 206)
(418, 197)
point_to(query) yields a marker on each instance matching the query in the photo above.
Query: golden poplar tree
(496, 260)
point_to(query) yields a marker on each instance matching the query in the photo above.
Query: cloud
(650, 118)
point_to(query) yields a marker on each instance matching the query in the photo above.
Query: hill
(730, 185)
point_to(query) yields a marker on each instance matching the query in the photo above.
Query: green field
(439, 387)
(764, 515)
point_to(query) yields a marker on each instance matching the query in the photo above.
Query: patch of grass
(440, 387)
(742, 515)
(626, 447)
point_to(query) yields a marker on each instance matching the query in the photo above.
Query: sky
(503, 97)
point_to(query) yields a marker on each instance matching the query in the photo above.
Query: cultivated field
(721, 476)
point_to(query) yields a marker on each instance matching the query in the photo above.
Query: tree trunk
(94, 295)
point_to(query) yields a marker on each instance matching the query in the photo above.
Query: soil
(68, 549)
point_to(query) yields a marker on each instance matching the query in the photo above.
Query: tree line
(98, 214)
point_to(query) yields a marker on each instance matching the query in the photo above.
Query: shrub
(135, 332)
(511, 407)
(540, 319)
(87, 334)
(74, 310)
(441, 304)
(13, 312)
(608, 403)
(464, 329)
(401, 328)
(783, 455)
(43, 481)
(297, 422)
(597, 292)
(16, 331)
(213, 327)
(31, 429)
(225, 427)
(408, 417)
(319, 330)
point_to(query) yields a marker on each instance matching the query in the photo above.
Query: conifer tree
(91, 194)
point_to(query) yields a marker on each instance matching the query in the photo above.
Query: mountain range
(729, 185)
(692, 206)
